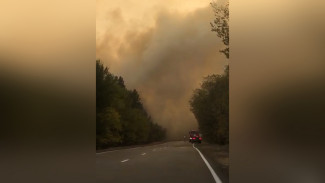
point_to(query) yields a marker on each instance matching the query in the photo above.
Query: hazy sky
(163, 49)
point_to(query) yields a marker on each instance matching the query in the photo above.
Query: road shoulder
(218, 157)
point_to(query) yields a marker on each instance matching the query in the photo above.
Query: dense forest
(120, 116)
(210, 106)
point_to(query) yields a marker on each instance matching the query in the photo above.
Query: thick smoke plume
(165, 59)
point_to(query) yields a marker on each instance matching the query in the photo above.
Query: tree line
(120, 116)
(210, 106)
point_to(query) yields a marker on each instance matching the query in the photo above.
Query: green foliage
(120, 116)
(210, 106)
(108, 127)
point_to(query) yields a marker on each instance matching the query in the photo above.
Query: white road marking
(128, 149)
(116, 150)
(215, 176)
(125, 160)
(143, 154)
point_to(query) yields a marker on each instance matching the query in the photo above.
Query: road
(169, 162)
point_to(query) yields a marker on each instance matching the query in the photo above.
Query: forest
(121, 118)
(210, 106)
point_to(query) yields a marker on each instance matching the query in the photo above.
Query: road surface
(169, 162)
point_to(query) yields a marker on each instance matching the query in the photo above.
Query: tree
(121, 118)
(108, 127)
(220, 25)
(210, 106)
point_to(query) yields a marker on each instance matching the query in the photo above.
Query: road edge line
(215, 176)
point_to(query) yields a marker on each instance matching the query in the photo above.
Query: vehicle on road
(195, 137)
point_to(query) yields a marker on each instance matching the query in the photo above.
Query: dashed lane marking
(125, 160)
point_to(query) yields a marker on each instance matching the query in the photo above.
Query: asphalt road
(169, 162)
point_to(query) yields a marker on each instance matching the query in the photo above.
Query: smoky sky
(163, 54)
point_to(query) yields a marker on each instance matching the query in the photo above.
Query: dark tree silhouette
(120, 116)
(210, 106)
(220, 25)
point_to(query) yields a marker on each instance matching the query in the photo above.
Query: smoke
(165, 59)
